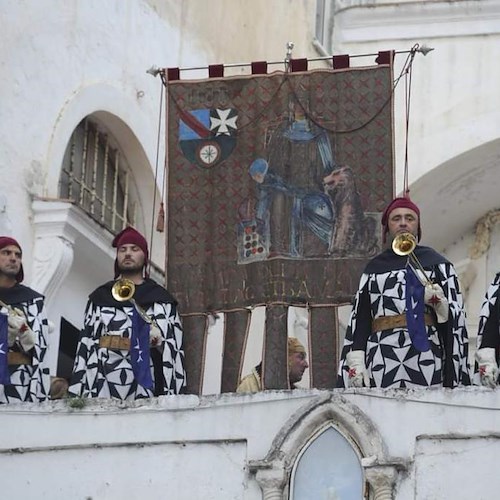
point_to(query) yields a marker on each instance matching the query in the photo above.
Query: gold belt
(18, 358)
(114, 342)
(397, 321)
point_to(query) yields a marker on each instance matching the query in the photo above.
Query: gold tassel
(160, 221)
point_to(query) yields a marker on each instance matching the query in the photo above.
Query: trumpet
(404, 244)
(122, 290)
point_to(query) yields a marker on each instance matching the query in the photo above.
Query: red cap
(403, 202)
(130, 236)
(5, 241)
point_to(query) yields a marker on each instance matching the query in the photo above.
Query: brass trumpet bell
(404, 244)
(123, 289)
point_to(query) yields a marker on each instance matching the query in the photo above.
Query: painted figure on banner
(306, 205)
(354, 230)
(24, 374)
(207, 136)
(280, 171)
(290, 195)
(488, 338)
(308, 209)
(131, 345)
(408, 326)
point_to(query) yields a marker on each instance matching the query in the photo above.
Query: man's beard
(9, 273)
(130, 270)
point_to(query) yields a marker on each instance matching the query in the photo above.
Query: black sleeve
(363, 328)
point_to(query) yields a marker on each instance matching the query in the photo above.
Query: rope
(407, 69)
(156, 170)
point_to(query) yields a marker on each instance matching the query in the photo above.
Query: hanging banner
(276, 184)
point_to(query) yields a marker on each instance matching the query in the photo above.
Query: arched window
(95, 177)
(327, 467)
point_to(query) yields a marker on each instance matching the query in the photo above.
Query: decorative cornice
(483, 233)
(369, 20)
(57, 224)
(53, 257)
(64, 220)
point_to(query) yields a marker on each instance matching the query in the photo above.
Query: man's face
(403, 220)
(130, 258)
(10, 260)
(297, 366)
(258, 178)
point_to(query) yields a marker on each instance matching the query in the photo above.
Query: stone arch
(273, 472)
(340, 476)
(127, 121)
(466, 185)
(70, 249)
(453, 198)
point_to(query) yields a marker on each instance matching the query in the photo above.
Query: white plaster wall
(157, 470)
(62, 60)
(237, 31)
(189, 445)
(455, 103)
(434, 454)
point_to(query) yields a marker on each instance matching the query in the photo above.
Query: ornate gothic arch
(274, 470)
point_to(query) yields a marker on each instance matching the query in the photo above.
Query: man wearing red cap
(130, 349)
(23, 332)
(407, 327)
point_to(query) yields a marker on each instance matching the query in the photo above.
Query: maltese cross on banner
(207, 136)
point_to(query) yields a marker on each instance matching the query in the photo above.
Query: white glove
(18, 329)
(358, 374)
(155, 336)
(12, 334)
(15, 321)
(488, 368)
(434, 297)
(27, 339)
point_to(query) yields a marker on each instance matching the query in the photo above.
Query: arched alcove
(134, 133)
(328, 466)
(350, 426)
(455, 194)
(72, 251)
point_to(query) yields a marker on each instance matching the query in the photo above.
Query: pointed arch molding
(57, 224)
(274, 470)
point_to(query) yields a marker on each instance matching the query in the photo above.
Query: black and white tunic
(100, 372)
(391, 359)
(489, 321)
(28, 382)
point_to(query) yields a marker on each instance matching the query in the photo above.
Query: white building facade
(80, 67)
